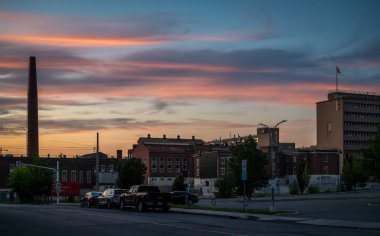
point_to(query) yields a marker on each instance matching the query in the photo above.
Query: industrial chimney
(32, 149)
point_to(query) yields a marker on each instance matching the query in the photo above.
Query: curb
(296, 220)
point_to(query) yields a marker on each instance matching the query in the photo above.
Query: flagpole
(336, 78)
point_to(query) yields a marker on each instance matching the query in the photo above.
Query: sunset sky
(126, 69)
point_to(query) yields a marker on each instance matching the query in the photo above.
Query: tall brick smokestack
(33, 149)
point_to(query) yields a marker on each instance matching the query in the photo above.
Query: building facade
(208, 167)
(323, 166)
(165, 158)
(348, 121)
(80, 170)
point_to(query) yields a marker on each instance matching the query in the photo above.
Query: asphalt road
(72, 220)
(321, 207)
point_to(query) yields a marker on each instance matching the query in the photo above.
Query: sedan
(184, 198)
(90, 199)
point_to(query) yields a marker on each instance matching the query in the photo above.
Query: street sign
(244, 170)
(273, 183)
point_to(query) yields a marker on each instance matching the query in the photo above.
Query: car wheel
(109, 206)
(140, 206)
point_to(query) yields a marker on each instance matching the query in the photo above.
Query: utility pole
(97, 161)
(273, 157)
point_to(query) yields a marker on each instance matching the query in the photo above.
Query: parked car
(184, 198)
(143, 197)
(110, 198)
(90, 199)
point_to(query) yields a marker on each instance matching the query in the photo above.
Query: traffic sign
(244, 170)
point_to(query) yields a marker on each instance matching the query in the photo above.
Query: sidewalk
(296, 220)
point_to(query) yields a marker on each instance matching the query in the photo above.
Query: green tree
(131, 172)
(179, 183)
(31, 182)
(372, 157)
(257, 175)
(303, 176)
(353, 173)
(20, 180)
(225, 186)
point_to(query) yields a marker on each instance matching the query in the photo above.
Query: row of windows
(353, 153)
(360, 134)
(325, 170)
(161, 179)
(360, 105)
(103, 168)
(357, 143)
(73, 176)
(361, 115)
(167, 162)
(360, 124)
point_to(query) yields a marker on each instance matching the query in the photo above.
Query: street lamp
(273, 156)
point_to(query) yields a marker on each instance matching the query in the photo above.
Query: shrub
(313, 189)
(293, 188)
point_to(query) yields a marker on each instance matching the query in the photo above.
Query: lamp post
(273, 156)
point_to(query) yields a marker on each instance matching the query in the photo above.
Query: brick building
(166, 158)
(323, 166)
(208, 167)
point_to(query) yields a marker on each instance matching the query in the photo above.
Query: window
(326, 169)
(162, 163)
(294, 170)
(88, 177)
(197, 172)
(80, 176)
(154, 164)
(294, 159)
(73, 176)
(169, 163)
(102, 168)
(177, 165)
(64, 176)
(197, 162)
(110, 168)
(184, 164)
(329, 127)
(222, 171)
(222, 161)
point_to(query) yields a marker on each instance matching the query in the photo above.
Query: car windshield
(119, 192)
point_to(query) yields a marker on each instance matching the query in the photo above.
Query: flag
(337, 70)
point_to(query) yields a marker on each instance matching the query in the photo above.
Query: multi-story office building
(348, 121)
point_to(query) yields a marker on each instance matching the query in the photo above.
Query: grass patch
(374, 203)
(252, 211)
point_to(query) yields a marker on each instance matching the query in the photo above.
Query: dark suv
(110, 198)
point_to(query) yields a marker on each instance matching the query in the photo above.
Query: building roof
(170, 141)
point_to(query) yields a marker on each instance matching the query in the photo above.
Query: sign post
(244, 178)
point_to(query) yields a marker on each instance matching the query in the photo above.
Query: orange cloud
(77, 41)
